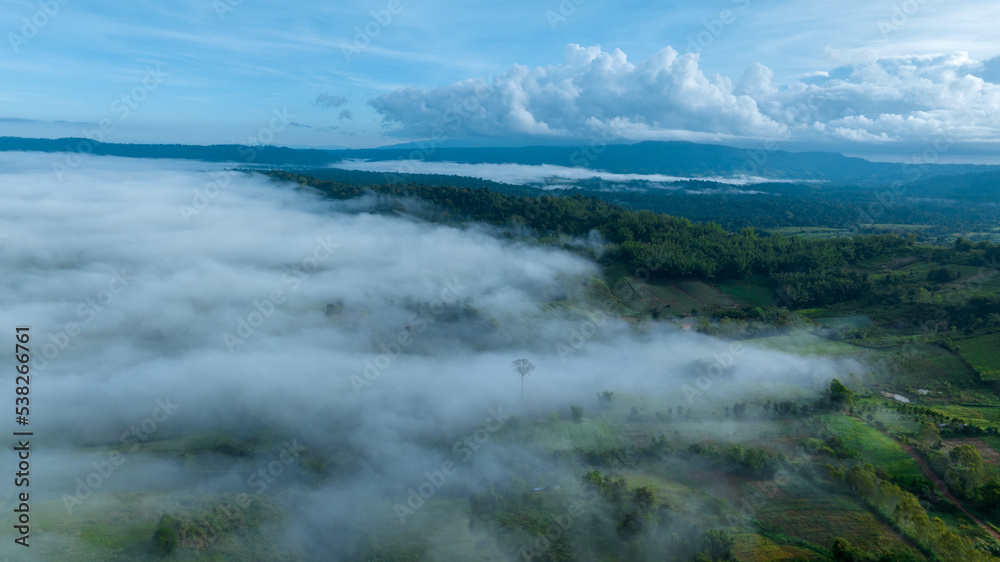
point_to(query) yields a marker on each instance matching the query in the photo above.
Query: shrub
(166, 539)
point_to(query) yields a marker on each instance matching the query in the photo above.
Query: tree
(842, 550)
(523, 367)
(576, 412)
(929, 435)
(840, 394)
(166, 539)
(967, 466)
(644, 498)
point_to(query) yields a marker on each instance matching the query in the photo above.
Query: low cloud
(547, 175)
(341, 327)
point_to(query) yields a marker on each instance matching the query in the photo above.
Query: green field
(809, 231)
(754, 291)
(983, 354)
(805, 343)
(873, 447)
(858, 321)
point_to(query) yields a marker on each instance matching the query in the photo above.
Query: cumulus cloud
(667, 96)
(590, 92)
(364, 336)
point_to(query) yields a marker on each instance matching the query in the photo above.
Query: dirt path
(943, 488)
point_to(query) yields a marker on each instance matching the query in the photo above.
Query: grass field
(983, 416)
(754, 291)
(809, 231)
(804, 343)
(928, 367)
(858, 321)
(983, 354)
(874, 447)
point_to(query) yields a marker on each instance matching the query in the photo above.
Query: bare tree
(523, 367)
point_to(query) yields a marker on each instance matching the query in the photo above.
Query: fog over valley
(322, 357)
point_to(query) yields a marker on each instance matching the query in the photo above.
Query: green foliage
(840, 395)
(576, 412)
(905, 511)
(644, 498)
(166, 539)
(842, 551)
(929, 435)
(966, 470)
(717, 544)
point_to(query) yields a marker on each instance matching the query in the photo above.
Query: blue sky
(869, 76)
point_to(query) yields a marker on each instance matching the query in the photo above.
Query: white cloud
(590, 92)
(868, 99)
(523, 174)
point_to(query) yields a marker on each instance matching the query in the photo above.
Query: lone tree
(523, 367)
(840, 394)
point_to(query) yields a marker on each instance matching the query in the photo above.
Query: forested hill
(670, 158)
(247, 155)
(817, 272)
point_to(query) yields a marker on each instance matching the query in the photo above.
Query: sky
(872, 77)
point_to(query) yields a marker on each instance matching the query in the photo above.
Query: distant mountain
(683, 159)
(983, 187)
(670, 158)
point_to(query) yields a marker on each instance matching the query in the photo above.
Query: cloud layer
(597, 94)
(366, 337)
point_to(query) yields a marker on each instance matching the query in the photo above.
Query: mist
(213, 302)
(547, 175)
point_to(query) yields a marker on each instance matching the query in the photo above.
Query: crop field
(683, 296)
(804, 343)
(981, 415)
(857, 321)
(704, 293)
(874, 447)
(755, 291)
(809, 231)
(812, 518)
(925, 366)
(983, 354)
